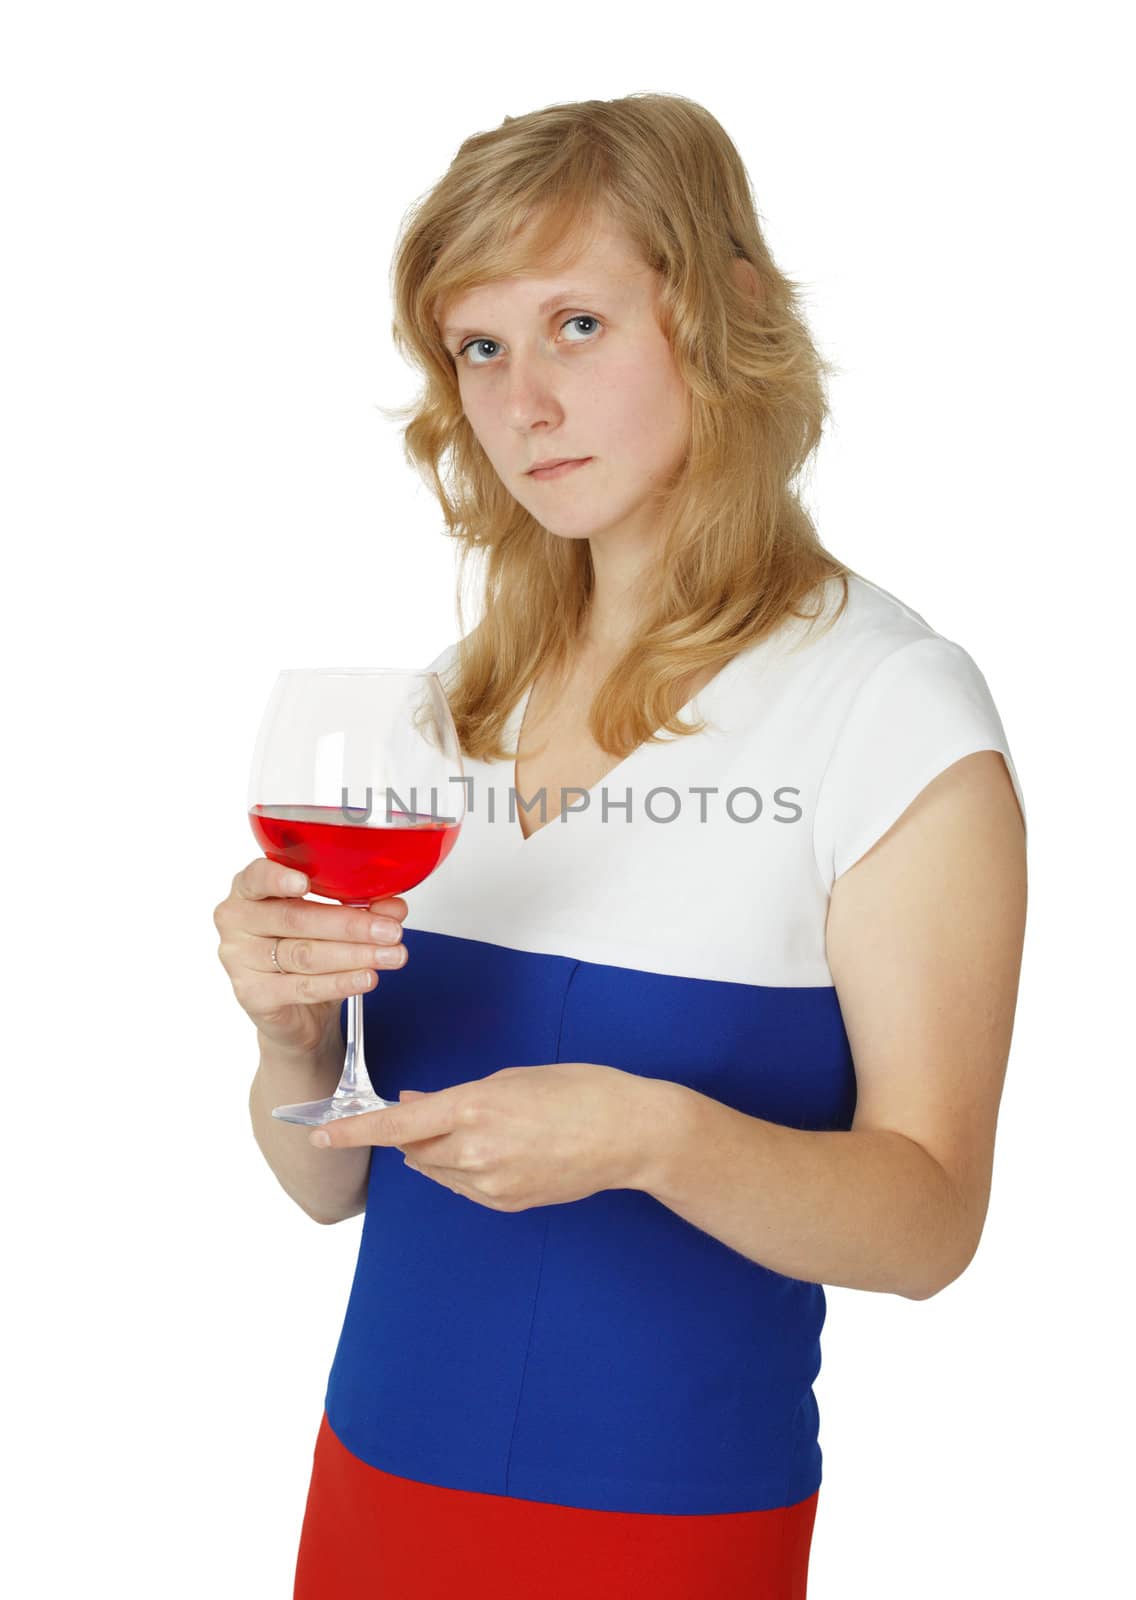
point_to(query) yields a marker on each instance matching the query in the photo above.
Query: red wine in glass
(328, 739)
(349, 862)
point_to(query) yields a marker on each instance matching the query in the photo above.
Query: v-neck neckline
(515, 727)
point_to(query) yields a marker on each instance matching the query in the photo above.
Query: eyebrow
(542, 309)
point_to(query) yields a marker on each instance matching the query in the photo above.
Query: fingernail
(320, 1137)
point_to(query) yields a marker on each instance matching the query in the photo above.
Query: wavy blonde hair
(738, 551)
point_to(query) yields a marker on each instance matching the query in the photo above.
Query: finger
(298, 956)
(390, 1126)
(393, 906)
(263, 878)
(449, 1178)
(292, 918)
(263, 992)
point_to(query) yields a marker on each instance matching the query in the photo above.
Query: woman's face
(574, 365)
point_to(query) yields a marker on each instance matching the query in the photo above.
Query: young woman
(713, 1002)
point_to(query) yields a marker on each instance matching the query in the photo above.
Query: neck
(613, 612)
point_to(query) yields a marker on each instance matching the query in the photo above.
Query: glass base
(314, 1113)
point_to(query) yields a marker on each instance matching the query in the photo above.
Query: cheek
(648, 415)
(479, 424)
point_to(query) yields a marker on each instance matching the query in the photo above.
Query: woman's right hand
(327, 952)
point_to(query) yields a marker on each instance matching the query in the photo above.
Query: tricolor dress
(598, 1400)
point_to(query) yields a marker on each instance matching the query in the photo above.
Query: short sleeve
(920, 709)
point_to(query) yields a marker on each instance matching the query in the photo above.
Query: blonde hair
(738, 551)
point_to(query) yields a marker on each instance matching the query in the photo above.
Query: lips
(559, 461)
(554, 474)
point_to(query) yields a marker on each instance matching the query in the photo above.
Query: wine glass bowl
(347, 859)
(343, 761)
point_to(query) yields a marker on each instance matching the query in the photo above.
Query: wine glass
(340, 761)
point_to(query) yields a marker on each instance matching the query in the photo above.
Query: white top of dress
(713, 855)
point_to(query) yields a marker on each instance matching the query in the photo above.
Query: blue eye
(581, 317)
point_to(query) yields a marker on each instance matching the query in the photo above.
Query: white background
(199, 206)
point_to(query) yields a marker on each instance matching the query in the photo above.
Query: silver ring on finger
(272, 953)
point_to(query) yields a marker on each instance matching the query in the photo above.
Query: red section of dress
(369, 1535)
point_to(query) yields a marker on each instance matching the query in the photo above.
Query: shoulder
(900, 703)
(876, 646)
(872, 625)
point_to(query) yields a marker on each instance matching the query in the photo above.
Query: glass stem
(354, 1080)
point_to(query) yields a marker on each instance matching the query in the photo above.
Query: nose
(531, 392)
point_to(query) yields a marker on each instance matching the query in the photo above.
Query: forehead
(608, 265)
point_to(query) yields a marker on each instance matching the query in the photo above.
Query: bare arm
(925, 938)
(863, 1210)
(328, 1190)
(292, 963)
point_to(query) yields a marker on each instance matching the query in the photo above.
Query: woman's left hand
(524, 1136)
